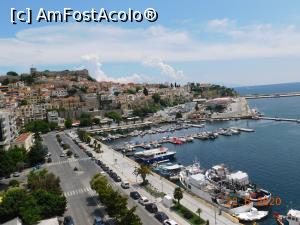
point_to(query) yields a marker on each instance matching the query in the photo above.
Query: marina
(259, 153)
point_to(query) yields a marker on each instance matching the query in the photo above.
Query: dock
(278, 95)
(279, 119)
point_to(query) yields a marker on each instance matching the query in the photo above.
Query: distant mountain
(269, 89)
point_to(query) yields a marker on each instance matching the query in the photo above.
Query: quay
(279, 119)
(123, 127)
(279, 95)
(126, 167)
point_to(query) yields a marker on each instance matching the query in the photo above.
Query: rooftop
(23, 137)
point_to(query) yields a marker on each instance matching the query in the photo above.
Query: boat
(154, 155)
(193, 179)
(169, 170)
(292, 218)
(189, 139)
(252, 215)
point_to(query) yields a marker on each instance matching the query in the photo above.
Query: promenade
(125, 168)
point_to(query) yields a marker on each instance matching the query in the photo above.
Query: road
(83, 205)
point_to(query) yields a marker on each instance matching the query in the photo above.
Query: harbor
(249, 152)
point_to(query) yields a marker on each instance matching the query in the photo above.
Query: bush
(14, 183)
(188, 215)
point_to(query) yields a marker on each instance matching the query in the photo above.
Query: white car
(63, 155)
(125, 184)
(143, 200)
(170, 222)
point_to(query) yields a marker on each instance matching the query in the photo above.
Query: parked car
(170, 222)
(151, 207)
(68, 220)
(117, 178)
(16, 174)
(135, 195)
(76, 155)
(143, 200)
(161, 216)
(105, 168)
(98, 221)
(125, 184)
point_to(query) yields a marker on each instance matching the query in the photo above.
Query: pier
(279, 119)
(278, 95)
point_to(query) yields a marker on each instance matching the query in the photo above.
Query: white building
(59, 92)
(25, 140)
(53, 117)
(8, 129)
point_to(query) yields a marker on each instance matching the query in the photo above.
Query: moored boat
(252, 215)
(155, 155)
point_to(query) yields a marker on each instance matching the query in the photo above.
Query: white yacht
(292, 218)
(252, 215)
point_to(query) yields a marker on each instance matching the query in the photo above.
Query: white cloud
(67, 43)
(219, 24)
(165, 69)
(95, 68)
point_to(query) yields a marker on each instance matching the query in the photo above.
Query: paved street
(83, 205)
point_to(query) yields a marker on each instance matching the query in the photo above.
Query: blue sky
(230, 42)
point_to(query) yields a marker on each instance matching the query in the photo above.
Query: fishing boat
(154, 155)
(169, 170)
(252, 215)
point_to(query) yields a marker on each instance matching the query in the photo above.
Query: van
(125, 184)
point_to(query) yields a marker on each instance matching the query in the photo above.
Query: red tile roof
(22, 137)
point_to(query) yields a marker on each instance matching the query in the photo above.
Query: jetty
(278, 95)
(279, 119)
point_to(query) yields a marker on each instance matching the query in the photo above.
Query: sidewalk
(125, 168)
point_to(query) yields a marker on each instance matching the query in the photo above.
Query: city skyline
(229, 43)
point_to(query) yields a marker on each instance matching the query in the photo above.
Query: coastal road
(83, 204)
(126, 167)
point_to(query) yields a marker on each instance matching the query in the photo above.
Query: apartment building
(8, 129)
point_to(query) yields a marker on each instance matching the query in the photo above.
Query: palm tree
(199, 212)
(178, 194)
(143, 171)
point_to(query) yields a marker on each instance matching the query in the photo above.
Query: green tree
(51, 204)
(37, 153)
(53, 126)
(10, 206)
(143, 171)
(37, 126)
(116, 204)
(199, 212)
(85, 120)
(178, 194)
(115, 116)
(12, 73)
(17, 155)
(96, 121)
(68, 123)
(130, 218)
(156, 98)
(41, 179)
(7, 164)
(145, 91)
(14, 183)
